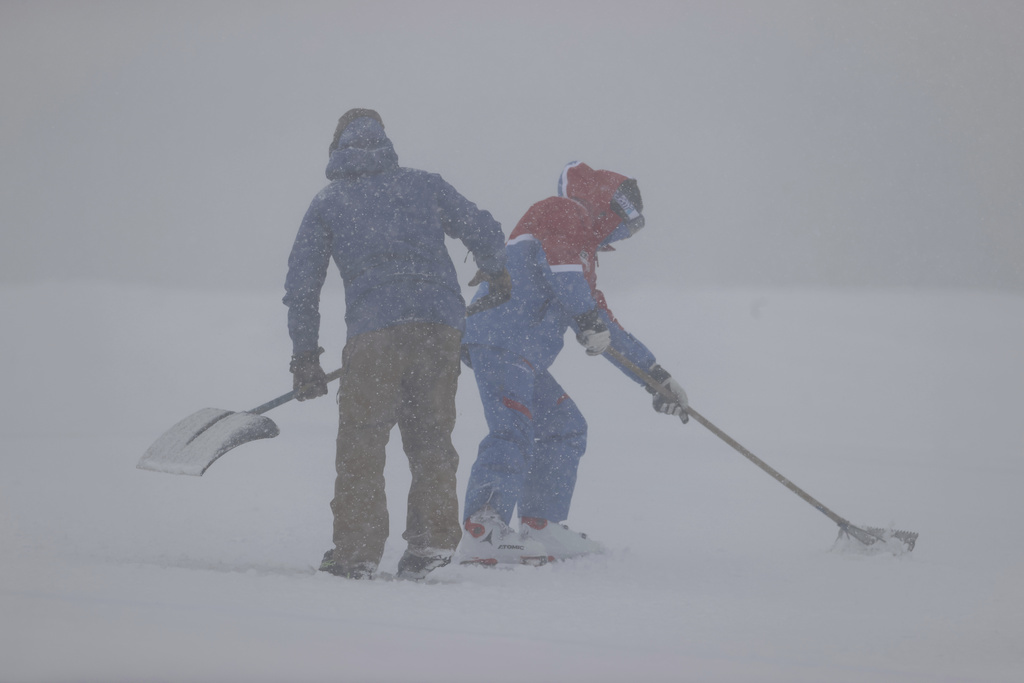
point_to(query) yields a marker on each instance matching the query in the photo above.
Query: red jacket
(572, 227)
(552, 257)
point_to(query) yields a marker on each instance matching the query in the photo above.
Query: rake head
(875, 540)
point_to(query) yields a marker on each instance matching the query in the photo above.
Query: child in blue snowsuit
(537, 434)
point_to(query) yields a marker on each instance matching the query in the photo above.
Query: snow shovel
(192, 445)
(896, 541)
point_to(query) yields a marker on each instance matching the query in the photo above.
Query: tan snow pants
(405, 375)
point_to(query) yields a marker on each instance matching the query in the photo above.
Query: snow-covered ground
(892, 407)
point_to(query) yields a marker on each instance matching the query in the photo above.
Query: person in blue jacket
(385, 227)
(537, 435)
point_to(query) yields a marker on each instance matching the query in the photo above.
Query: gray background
(776, 143)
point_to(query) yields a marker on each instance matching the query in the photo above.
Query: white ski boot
(487, 541)
(559, 541)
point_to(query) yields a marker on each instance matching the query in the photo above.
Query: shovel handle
(655, 386)
(284, 398)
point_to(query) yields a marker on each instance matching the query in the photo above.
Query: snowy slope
(891, 407)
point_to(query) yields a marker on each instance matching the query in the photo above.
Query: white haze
(833, 265)
(869, 143)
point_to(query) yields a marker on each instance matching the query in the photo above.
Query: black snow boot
(414, 566)
(360, 570)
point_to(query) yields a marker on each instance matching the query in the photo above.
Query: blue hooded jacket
(384, 225)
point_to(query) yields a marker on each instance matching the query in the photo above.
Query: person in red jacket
(536, 433)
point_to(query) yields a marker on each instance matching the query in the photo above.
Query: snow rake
(194, 443)
(896, 541)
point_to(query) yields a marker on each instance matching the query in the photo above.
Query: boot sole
(531, 560)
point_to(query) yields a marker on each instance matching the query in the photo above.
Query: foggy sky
(775, 143)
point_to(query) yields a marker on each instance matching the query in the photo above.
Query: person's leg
(368, 398)
(547, 493)
(505, 382)
(429, 361)
(561, 440)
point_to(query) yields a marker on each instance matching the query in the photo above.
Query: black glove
(499, 290)
(308, 378)
(663, 404)
(593, 334)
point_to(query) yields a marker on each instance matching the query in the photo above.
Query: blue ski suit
(537, 435)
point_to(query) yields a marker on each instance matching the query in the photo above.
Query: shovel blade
(871, 540)
(192, 445)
